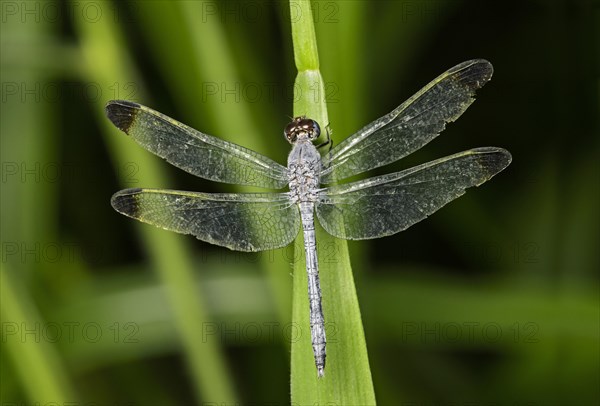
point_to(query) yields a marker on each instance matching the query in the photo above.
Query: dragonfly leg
(328, 141)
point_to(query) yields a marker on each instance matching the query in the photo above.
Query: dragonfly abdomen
(317, 321)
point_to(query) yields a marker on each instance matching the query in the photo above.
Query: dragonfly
(370, 208)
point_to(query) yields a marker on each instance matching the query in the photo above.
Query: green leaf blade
(347, 377)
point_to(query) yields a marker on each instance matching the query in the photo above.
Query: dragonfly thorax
(304, 168)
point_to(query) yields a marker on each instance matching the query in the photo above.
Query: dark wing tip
(474, 73)
(126, 202)
(122, 113)
(494, 158)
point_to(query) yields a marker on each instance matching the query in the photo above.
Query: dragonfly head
(302, 128)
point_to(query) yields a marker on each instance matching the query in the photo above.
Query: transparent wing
(241, 222)
(411, 125)
(387, 204)
(194, 152)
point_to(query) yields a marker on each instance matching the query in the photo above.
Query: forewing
(241, 222)
(195, 152)
(385, 205)
(411, 125)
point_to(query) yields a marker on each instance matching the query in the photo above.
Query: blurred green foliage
(493, 300)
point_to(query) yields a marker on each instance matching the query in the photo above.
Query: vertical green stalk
(210, 44)
(347, 377)
(36, 361)
(106, 63)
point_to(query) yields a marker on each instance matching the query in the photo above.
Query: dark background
(493, 300)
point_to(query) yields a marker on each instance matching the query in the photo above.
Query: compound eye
(310, 127)
(290, 131)
(304, 122)
(316, 130)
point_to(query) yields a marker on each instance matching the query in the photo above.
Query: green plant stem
(209, 43)
(38, 364)
(106, 60)
(212, 60)
(347, 377)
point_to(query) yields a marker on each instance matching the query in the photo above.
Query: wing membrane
(410, 126)
(387, 204)
(241, 222)
(195, 152)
